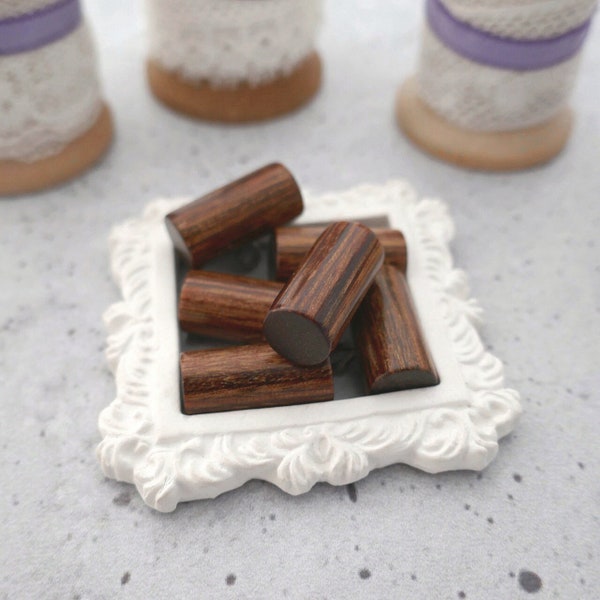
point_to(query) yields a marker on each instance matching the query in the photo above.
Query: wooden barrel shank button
(388, 336)
(236, 213)
(224, 306)
(243, 377)
(292, 243)
(313, 309)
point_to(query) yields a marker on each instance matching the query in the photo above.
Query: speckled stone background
(528, 526)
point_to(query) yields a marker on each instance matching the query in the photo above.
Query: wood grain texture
(310, 314)
(252, 376)
(388, 336)
(223, 306)
(293, 243)
(236, 213)
(18, 177)
(241, 103)
(484, 150)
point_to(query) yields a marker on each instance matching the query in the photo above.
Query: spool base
(489, 151)
(242, 103)
(21, 178)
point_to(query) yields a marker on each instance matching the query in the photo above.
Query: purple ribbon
(501, 52)
(39, 28)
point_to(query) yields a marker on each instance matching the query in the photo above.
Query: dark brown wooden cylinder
(292, 244)
(240, 211)
(223, 306)
(253, 376)
(311, 312)
(392, 348)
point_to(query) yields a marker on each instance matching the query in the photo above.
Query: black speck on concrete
(490, 520)
(517, 477)
(467, 507)
(352, 493)
(461, 594)
(530, 581)
(364, 573)
(123, 499)
(230, 579)
(272, 517)
(413, 577)
(126, 577)
(581, 465)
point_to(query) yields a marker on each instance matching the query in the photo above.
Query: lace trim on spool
(483, 97)
(522, 19)
(227, 42)
(30, 31)
(503, 52)
(49, 97)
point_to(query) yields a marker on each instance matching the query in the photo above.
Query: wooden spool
(18, 177)
(293, 243)
(241, 103)
(487, 151)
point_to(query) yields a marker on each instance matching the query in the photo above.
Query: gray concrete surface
(528, 526)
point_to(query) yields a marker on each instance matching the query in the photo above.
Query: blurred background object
(233, 60)
(494, 80)
(54, 123)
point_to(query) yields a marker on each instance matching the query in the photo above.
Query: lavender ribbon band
(501, 52)
(34, 30)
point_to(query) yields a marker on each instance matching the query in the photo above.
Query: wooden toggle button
(293, 243)
(311, 312)
(252, 376)
(223, 306)
(236, 213)
(388, 336)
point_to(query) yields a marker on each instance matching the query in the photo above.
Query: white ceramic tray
(171, 457)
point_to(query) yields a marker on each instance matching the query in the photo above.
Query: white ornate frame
(171, 457)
